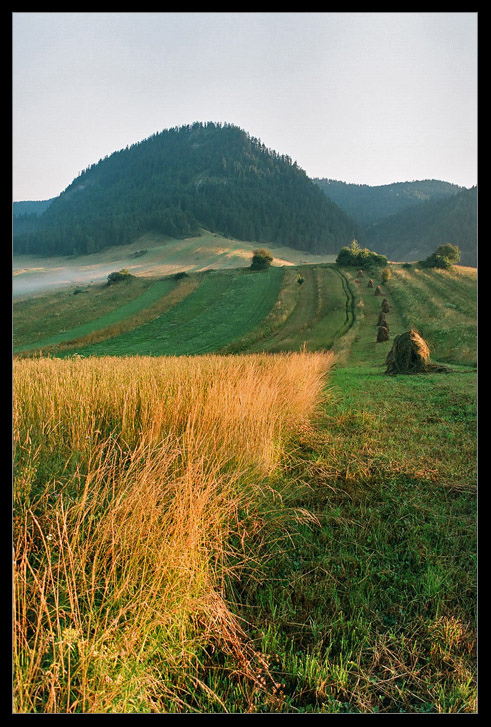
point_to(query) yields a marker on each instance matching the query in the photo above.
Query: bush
(364, 258)
(261, 259)
(443, 257)
(118, 277)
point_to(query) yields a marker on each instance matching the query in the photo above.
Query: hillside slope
(208, 176)
(238, 310)
(151, 255)
(406, 221)
(370, 204)
(414, 233)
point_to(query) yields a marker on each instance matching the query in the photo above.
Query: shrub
(261, 259)
(443, 257)
(364, 258)
(386, 275)
(118, 277)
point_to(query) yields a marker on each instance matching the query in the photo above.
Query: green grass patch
(314, 315)
(43, 316)
(353, 574)
(223, 308)
(442, 306)
(373, 610)
(152, 293)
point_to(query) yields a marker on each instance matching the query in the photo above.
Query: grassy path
(373, 610)
(323, 313)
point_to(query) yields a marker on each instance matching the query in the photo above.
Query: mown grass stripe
(156, 291)
(223, 308)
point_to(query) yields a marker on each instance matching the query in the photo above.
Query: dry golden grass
(130, 477)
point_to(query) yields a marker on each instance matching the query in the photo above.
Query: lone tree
(444, 257)
(261, 259)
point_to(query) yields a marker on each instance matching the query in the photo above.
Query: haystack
(360, 274)
(382, 334)
(378, 290)
(385, 306)
(382, 320)
(370, 283)
(410, 354)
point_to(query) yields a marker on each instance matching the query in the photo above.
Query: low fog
(39, 280)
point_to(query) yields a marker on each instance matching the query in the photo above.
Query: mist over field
(39, 280)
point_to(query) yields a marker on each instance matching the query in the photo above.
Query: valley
(150, 255)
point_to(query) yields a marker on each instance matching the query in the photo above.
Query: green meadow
(223, 504)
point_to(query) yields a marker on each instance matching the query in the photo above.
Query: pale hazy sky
(371, 98)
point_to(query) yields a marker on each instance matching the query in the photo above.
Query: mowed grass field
(268, 523)
(214, 311)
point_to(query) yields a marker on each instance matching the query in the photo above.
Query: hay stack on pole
(382, 334)
(360, 274)
(378, 290)
(382, 320)
(385, 306)
(410, 354)
(370, 283)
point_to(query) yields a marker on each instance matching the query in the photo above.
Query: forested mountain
(203, 175)
(32, 207)
(406, 221)
(25, 214)
(368, 205)
(417, 231)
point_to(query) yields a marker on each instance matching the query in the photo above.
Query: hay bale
(410, 354)
(370, 283)
(385, 306)
(378, 290)
(382, 334)
(382, 320)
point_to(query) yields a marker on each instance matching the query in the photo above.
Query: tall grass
(134, 484)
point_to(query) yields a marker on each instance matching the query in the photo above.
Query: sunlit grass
(131, 476)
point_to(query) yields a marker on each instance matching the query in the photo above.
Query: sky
(363, 97)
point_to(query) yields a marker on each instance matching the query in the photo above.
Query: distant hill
(33, 207)
(408, 220)
(368, 205)
(414, 233)
(203, 175)
(25, 214)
